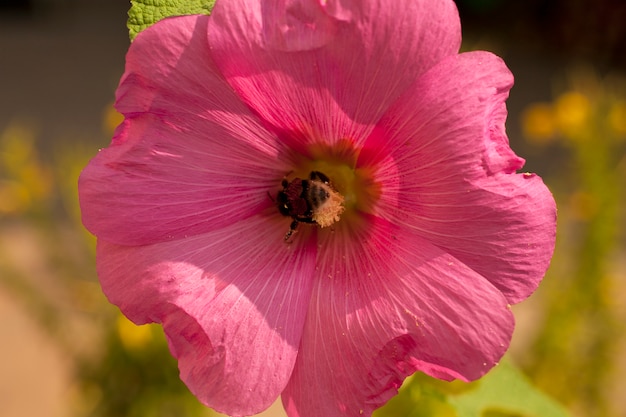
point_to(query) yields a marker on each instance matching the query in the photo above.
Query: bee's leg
(293, 228)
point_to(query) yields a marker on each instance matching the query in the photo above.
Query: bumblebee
(312, 200)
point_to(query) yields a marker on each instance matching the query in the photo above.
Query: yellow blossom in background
(70, 158)
(14, 198)
(572, 112)
(591, 108)
(538, 123)
(25, 182)
(617, 118)
(111, 118)
(133, 337)
(583, 205)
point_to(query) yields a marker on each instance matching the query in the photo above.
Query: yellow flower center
(338, 163)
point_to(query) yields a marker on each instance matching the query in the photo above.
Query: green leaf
(505, 391)
(144, 13)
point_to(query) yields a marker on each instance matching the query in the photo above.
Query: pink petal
(448, 173)
(324, 71)
(190, 157)
(384, 305)
(232, 303)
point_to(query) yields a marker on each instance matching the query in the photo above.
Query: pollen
(330, 211)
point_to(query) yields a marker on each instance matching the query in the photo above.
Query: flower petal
(233, 318)
(458, 187)
(190, 157)
(385, 304)
(325, 71)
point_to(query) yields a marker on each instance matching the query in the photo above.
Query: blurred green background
(66, 352)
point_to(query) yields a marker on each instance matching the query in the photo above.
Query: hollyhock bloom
(432, 234)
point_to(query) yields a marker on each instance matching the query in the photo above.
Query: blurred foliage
(582, 336)
(573, 352)
(25, 184)
(504, 391)
(120, 369)
(135, 376)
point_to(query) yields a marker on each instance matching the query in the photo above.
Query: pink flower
(437, 233)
